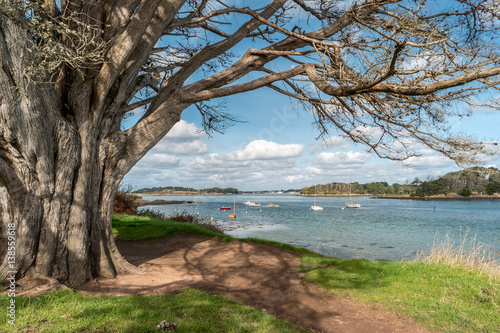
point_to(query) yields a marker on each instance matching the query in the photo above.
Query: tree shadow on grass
(192, 310)
(339, 274)
(258, 275)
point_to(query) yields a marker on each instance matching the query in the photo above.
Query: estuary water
(382, 229)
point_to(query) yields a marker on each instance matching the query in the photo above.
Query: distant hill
(475, 181)
(169, 190)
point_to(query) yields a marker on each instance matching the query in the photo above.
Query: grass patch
(278, 244)
(449, 299)
(192, 310)
(130, 227)
(442, 295)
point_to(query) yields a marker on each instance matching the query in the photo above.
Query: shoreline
(335, 195)
(178, 193)
(440, 198)
(160, 202)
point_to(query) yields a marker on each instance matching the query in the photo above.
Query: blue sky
(276, 148)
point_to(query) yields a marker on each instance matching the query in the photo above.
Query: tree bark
(56, 186)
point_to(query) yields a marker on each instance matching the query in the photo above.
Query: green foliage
(376, 187)
(477, 179)
(465, 192)
(493, 187)
(129, 227)
(192, 310)
(164, 188)
(441, 297)
(229, 190)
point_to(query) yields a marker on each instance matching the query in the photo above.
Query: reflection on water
(382, 229)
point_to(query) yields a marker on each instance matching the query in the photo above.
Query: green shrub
(465, 192)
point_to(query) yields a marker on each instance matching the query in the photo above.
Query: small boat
(251, 204)
(272, 205)
(351, 204)
(314, 207)
(224, 208)
(233, 216)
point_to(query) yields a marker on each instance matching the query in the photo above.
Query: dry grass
(469, 254)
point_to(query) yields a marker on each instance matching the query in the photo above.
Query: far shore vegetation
(475, 182)
(468, 183)
(448, 289)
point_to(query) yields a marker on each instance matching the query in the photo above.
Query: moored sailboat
(351, 204)
(233, 215)
(315, 207)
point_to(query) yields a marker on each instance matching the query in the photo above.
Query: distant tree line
(472, 181)
(229, 190)
(374, 188)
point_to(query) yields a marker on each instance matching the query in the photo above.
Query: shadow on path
(259, 275)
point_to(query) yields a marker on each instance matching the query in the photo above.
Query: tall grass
(468, 253)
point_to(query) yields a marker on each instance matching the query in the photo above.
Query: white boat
(315, 207)
(251, 204)
(351, 204)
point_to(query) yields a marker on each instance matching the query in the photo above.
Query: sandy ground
(258, 275)
(261, 276)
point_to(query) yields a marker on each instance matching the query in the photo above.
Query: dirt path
(258, 275)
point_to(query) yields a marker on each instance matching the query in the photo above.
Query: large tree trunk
(56, 186)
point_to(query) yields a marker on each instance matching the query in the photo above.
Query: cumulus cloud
(429, 162)
(185, 130)
(260, 162)
(330, 143)
(183, 139)
(340, 159)
(266, 150)
(368, 132)
(335, 142)
(160, 161)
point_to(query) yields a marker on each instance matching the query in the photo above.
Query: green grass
(278, 244)
(130, 227)
(442, 297)
(192, 310)
(439, 296)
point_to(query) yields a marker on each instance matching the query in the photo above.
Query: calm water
(382, 229)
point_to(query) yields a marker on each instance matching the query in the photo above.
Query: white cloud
(330, 143)
(159, 161)
(335, 142)
(266, 150)
(184, 130)
(183, 139)
(368, 132)
(340, 159)
(427, 162)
